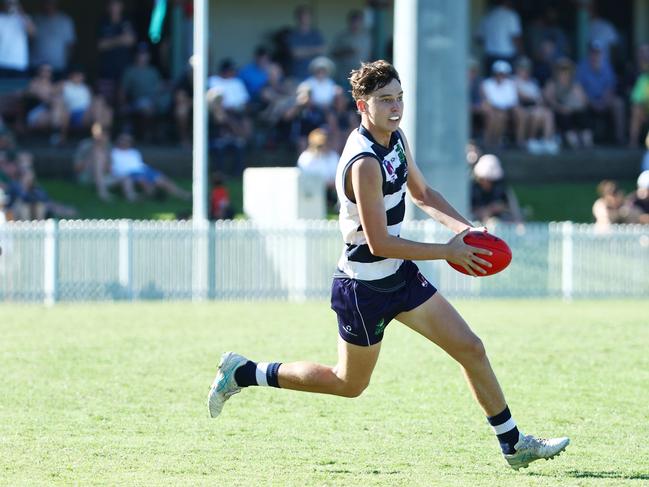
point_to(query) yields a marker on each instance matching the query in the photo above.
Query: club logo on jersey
(390, 168)
(401, 154)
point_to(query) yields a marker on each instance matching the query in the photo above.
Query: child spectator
(491, 197)
(567, 99)
(610, 207)
(320, 160)
(220, 208)
(92, 161)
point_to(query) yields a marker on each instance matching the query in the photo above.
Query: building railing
(242, 260)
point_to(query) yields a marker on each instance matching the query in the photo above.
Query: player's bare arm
(365, 188)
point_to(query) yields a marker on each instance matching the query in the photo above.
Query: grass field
(114, 394)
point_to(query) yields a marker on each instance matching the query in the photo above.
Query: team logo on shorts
(380, 327)
(348, 329)
(422, 279)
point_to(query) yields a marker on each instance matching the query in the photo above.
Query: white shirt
(501, 95)
(76, 97)
(323, 165)
(497, 29)
(125, 162)
(323, 91)
(235, 94)
(528, 88)
(14, 51)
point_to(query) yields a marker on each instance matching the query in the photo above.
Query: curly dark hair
(371, 77)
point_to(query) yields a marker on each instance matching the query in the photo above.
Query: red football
(501, 254)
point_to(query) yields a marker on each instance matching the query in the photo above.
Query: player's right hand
(465, 255)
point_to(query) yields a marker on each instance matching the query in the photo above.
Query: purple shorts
(364, 308)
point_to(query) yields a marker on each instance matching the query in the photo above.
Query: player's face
(383, 109)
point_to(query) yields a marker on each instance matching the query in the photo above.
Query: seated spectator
(55, 38)
(610, 207)
(501, 106)
(596, 76)
(545, 59)
(128, 167)
(227, 134)
(639, 105)
(83, 108)
(638, 201)
(277, 97)
(91, 161)
(320, 160)
(567, 99)
(322, 86)
(255, 74)
(142, 92)
(306, 116)
(220, 208)
(540, 121)
(491, 197)
(43, 101)
(345, 119)
(234, 96)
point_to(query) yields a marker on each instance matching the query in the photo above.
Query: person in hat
(568, 101)
(501, 106)
(323, 88)
(596, 76)
(491, 198)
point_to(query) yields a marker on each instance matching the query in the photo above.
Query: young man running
(376, 280)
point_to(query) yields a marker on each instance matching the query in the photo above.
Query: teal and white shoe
(224, 385)
(529, 449)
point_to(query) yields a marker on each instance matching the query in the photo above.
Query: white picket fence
(97, 260)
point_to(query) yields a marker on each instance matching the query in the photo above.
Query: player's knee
(472, 350)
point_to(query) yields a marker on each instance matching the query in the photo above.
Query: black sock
(257, 374)
(506, 430)
(245, 375)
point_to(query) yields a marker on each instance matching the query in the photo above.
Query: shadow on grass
(591, 474)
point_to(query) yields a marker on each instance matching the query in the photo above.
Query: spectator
(540, 120)
(345, 120)
(638, 201)
(142, 92)
(320, 160)
(128, 167)
(83, 108)
(601, 31)
(476, 102)
(228, 133)
(277, 97)
(500, 32)
(16, 28)
(91, 161)
(351, 47)
(491, 197)
(306, 116)
(610, 207)
(5, 213)
(546, 57)
(220, 208)
(304, 43)
(645, 159)
(43, 101)
(183, 94)
(596, 76)
(55, 38)
(235, 95)
(116, 38)
(322, 86)
(567, 99)
(255, 74)
(501, 106)
(546, 28)
(639, 104)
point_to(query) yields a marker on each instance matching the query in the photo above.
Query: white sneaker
(224, 385)
(529, 449)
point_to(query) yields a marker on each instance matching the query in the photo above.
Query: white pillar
(200, 61)
(49, 262)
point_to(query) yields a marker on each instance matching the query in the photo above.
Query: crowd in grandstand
(529, 91)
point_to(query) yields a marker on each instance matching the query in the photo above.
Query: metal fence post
(50, 244)
(126, 257)
(567, 263)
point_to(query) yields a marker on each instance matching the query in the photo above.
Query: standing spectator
(142, 93)
(322, 86)
(602, 31)
(320, 160)
(15, 29)
(492, 199)
(540, 120)
(567, 99)
(255, 74)
(500, 32)
(92, 161)
(304, 43)
(116, 38)
(547, 28)
(596, 76)
(501, 106)
(55, 38)
(638, 201)
(351, 47)
(128, 167)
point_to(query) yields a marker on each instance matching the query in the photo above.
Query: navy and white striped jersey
(356, 260)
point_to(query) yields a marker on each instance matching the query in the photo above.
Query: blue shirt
(596, 83)
(254, 77)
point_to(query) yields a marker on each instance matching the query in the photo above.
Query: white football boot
(224, 385)
(529, 449)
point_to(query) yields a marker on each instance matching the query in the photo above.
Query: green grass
(114, 394)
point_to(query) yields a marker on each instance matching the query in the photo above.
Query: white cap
(501, 66)
(488, 167)
(643, 180)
